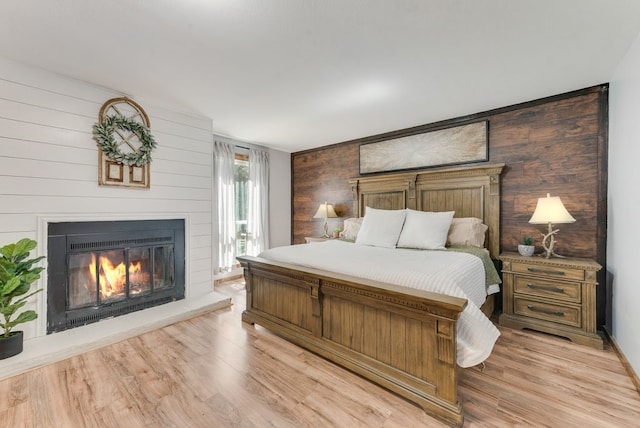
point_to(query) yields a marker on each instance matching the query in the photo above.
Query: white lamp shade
(325, 211)
(551, 210)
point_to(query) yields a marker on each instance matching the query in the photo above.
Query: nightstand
(310, 239)
(555, 295)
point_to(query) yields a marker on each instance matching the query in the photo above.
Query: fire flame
(113, 279)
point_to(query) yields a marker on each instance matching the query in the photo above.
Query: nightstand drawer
(557, 290)
(550, 271)
(556, 295)
(548, 312)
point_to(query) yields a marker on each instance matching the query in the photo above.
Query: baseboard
(632, 374)
(224, 279)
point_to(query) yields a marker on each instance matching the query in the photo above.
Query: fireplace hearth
(103, 269)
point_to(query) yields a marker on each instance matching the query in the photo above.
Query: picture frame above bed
(463, 144)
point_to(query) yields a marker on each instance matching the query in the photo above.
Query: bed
(401, 338)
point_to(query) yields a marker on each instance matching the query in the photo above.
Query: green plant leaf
(8, 250)
(27, 265)
(26, 316)
(21, 289)
(17, 273)
(10, 286)
(30, 277)
(9, 310)
(24, 298)
(25, 245)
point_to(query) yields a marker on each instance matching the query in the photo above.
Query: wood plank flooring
(215, 371)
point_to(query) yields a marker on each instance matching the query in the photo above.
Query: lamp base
(552, 242)
(326, 230)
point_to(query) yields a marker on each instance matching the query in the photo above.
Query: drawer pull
(545, 311)
(550, 272)
(545, 288)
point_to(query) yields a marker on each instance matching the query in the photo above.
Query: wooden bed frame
(399, 338)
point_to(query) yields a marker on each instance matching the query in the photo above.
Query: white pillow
(351, 228)
(425, 230)
(467, 231)
(381, 228)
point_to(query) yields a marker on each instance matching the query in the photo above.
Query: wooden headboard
(470, 191)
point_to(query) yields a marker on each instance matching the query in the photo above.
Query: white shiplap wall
(49, 168)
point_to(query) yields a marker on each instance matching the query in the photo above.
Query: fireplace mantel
(100, 269)
(40, 324)
(41, 349)
(55, 347)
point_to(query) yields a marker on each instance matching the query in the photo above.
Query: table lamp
(325, 211)
(550, 210)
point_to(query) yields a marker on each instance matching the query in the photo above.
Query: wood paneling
(555, 145)
(319, 176)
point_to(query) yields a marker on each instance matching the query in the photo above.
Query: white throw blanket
(444, 272)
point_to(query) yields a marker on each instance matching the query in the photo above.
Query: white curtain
(258, 203)
(224, 215)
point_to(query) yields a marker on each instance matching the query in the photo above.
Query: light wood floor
(214, 371)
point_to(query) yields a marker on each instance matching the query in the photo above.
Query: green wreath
(103, 134)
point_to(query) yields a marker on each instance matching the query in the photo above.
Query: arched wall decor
(125, 144)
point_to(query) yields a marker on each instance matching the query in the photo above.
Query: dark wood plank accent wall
(556, 145)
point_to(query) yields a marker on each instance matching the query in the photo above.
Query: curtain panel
(258, 203)
(224, 216)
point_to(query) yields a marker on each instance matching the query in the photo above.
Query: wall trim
(603, 198)
(460, 120)
(625, 363)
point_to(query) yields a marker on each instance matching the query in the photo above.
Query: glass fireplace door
(104, 277)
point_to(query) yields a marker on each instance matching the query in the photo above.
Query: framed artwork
(110, 171)
(450, 146)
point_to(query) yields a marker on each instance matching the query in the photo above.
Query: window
(241, 176)
(241, 203)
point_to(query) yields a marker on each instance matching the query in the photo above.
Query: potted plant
(336, 232)
(17, 274)
(526, 248)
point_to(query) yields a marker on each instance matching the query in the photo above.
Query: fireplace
(104, 269)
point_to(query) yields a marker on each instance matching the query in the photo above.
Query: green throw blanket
(491, 274)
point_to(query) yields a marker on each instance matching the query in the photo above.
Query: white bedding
(445, 272)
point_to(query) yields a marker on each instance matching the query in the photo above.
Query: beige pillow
(467, 231)
(351, 228)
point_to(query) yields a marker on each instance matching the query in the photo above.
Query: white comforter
(445, 272)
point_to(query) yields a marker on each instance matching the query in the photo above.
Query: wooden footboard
(401, 339)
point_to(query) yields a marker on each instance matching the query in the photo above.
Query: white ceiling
(297, 74)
